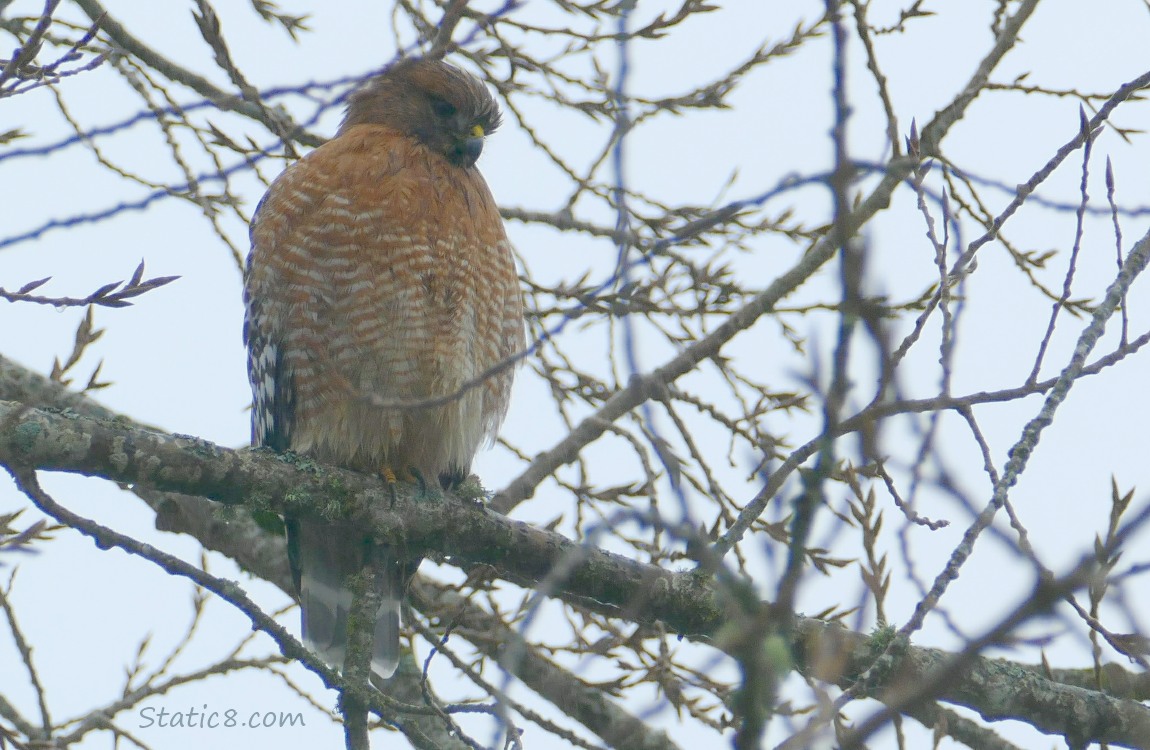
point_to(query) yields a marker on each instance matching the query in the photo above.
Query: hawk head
(446, 109)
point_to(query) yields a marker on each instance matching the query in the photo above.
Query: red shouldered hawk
(380, 267)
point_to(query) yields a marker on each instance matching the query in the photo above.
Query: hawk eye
(443, 108)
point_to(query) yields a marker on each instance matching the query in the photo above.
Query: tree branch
(640, 388)
(598, 580)
(278, 123)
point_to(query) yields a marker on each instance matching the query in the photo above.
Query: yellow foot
(389, 477)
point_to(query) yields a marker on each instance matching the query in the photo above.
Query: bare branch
(115, 294)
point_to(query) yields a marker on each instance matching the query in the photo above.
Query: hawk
(380, 275)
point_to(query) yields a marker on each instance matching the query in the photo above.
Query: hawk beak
(473, 145)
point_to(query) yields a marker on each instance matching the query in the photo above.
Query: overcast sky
(176, 359)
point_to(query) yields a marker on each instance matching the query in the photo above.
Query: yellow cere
(477, 131)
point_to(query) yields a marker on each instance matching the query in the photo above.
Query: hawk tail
(322, 563)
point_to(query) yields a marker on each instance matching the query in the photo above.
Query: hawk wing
(273, 401)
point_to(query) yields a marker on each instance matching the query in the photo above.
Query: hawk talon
(389, 477)
(418, 476)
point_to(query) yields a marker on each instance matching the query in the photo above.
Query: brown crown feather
(437, 103)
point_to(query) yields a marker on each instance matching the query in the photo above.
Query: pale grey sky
(176, 359)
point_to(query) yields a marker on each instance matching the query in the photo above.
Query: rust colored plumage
(380, 268)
